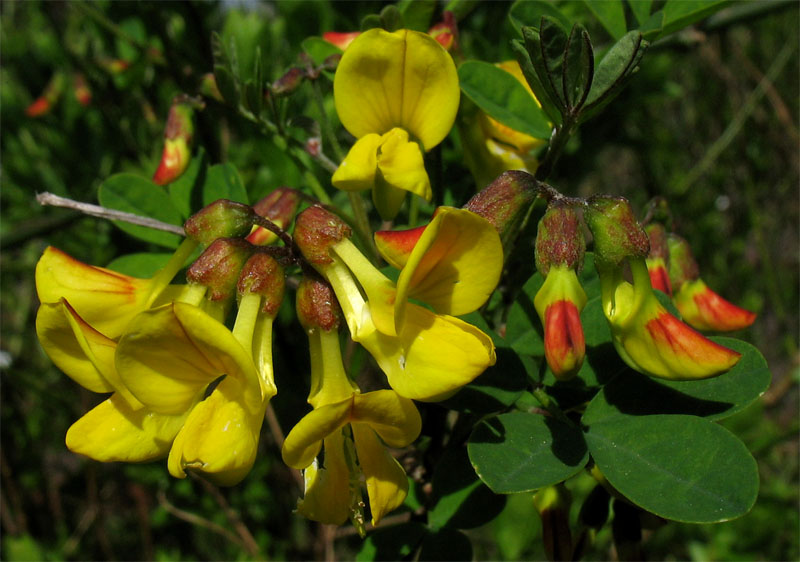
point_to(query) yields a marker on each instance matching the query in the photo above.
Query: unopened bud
(81, 90)
(658, 258)
(505, 202)
(279, 207)
(219, 265)
(559, 239)
(263, 275)
(617, 234)
(446, 31)
(339, 38)
(178, 135)
(331, 62)
(221, 219)
(289, 82)
(682, 265)
(315, 231)
(45, 102)
(317, 306)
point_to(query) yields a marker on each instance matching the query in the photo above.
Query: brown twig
(197, 520)
(247, 540)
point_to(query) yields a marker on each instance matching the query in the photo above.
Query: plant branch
(51, 199)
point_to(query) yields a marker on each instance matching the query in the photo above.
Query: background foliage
(710, 121)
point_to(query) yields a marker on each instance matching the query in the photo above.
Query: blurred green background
(710, 122)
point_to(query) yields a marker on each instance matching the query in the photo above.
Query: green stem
(550, 406)
(362, 223)
(557, 143)
(327, 130)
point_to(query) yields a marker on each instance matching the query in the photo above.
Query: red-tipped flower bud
(617, 234)
(218, 267)
(340, 38)
(315, 231)
(44, 103)
(658, 258)
(317, 306)
(81, 90)
(700, 306)
(177, 140)
(263, 275)
(279, 207)
(221, 219)
(446, 31)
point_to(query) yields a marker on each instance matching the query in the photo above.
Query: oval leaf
(518, 452)
(679, 467)
(611, 14)
(501, 96)
(222, 181)
(137, 195)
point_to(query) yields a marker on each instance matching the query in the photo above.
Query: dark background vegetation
(710, 122)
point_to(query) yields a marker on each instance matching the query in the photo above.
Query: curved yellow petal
(327, 490)
(220, 437)
(305, 439)
(113, 432)
(58, 338)
(92, 291)
(394, 418)
(402, 79)
(387, 485)
(433, 356)
(171, 353)
(357, 170)
(455, 265)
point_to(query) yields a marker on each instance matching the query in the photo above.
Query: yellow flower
(351, 426)
(426, 355)
(398, 94)
(121, 428)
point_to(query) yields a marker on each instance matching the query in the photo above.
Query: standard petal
(327, 495)
(401, 79)
(357, 170)
(455, 265)
(94, 292)
(396, 419)
(305, 439)
(387, 484)
(220, 437)
(433, 356)
(112, 432)
(171, 353)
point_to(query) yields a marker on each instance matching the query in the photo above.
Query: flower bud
(446, 31)
(177, 140)
(317, 306)
(279, 207)
(340, 39)
(315, 231)
(700, 306)
(505, 202)
(81, 90)
(219, 265)
(559, 239)
(553, 503)
(45, 102)
(263, 275)
(617, 234)
(289, 82)
(658, 257)
(221, 219)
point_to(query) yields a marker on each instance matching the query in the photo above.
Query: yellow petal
(357, 170)
(220, 437)
(171, 353)
(92, 291)
(113, 432)
(395, 418)
(305, 439)
(387, 485)
(455, 265)
(59, 341)
(433, 356)
(402, 79)
(401, 164)
(327, 490)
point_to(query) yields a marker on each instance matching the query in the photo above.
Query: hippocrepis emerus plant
(411, 300)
